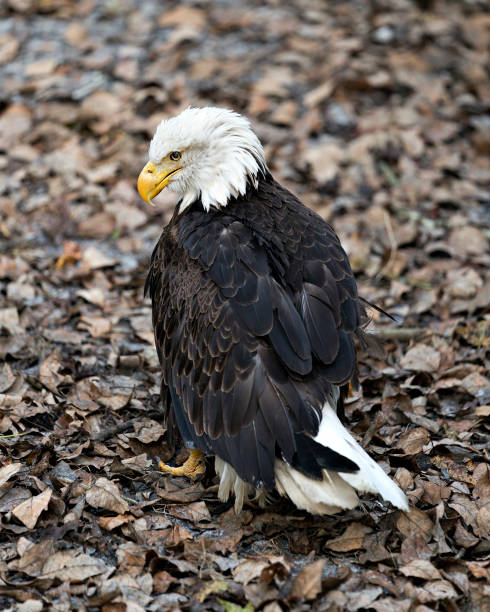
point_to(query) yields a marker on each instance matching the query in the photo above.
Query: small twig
(111, 431)
(17, 435)
(400, 333)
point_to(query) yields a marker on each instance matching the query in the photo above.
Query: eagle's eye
(175, 155)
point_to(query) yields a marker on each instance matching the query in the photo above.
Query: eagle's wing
(251, 341)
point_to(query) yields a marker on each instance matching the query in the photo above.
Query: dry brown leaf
(93, 258)
(147, 431)
(73, 566)
(463, 537)
(12, 497)
(94, 295)
(127, 217)
(421, 358)
(138, 462)
(49, 372)
(374, 545)
(325, 159)
(466, 241)
(415, 522)
(363, 599)
(64, 336)
(130, 557)
(435, 493)
(29, 511)
(194, 512)
(467, 509)
(413, 441)
(183, 16)
(14, 123)
(319, 94)
(413, 547)
(404, 478)
(278, 568)
(388, 604)
(9, 399)
(97, 226)
(101, 105)
(34, 557)
(143, 328)
(308, 583)
(285, 113)
(249, 570)
(40, 68)
(9, 320)
(351, 539)
(9, 46)
(112, 522)
(177, 535)
(105, 494)
(481, 476)
(7, 379)
(483, 521)
(30, 605)
(421, 568)
(475, 383)
(161, 581)
(459, 579)
(7, 471)
(12, 267)
(479, 569)
(463, 282)
(98, 327)
(433, 591)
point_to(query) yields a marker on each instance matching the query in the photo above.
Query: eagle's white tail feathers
(336, 492)
(370, 477)
(230, 481)
(329, 496)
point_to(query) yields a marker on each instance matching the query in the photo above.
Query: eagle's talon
(194, 467)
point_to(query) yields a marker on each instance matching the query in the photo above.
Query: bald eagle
(254, 311)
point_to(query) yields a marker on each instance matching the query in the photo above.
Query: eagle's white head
(208, 153)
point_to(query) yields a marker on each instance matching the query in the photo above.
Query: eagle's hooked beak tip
(147, 182)
(152, 180)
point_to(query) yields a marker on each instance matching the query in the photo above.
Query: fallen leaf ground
(377, 115)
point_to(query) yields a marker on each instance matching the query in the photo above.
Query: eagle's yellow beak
(153, 179)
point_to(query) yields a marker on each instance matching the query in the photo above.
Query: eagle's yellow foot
(193, 467)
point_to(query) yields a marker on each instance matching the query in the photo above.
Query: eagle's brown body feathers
(254, 311)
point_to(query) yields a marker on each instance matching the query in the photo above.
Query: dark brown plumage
(254, 310)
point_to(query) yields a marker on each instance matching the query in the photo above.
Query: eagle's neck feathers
(221, 155)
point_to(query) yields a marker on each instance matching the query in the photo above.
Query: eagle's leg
(193, 467)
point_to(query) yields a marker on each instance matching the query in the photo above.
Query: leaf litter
(376, 115)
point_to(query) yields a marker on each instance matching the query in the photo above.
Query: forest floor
(374, 113)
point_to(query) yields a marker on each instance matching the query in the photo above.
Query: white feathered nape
(337, 490)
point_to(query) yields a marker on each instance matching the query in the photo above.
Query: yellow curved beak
(152, 180)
